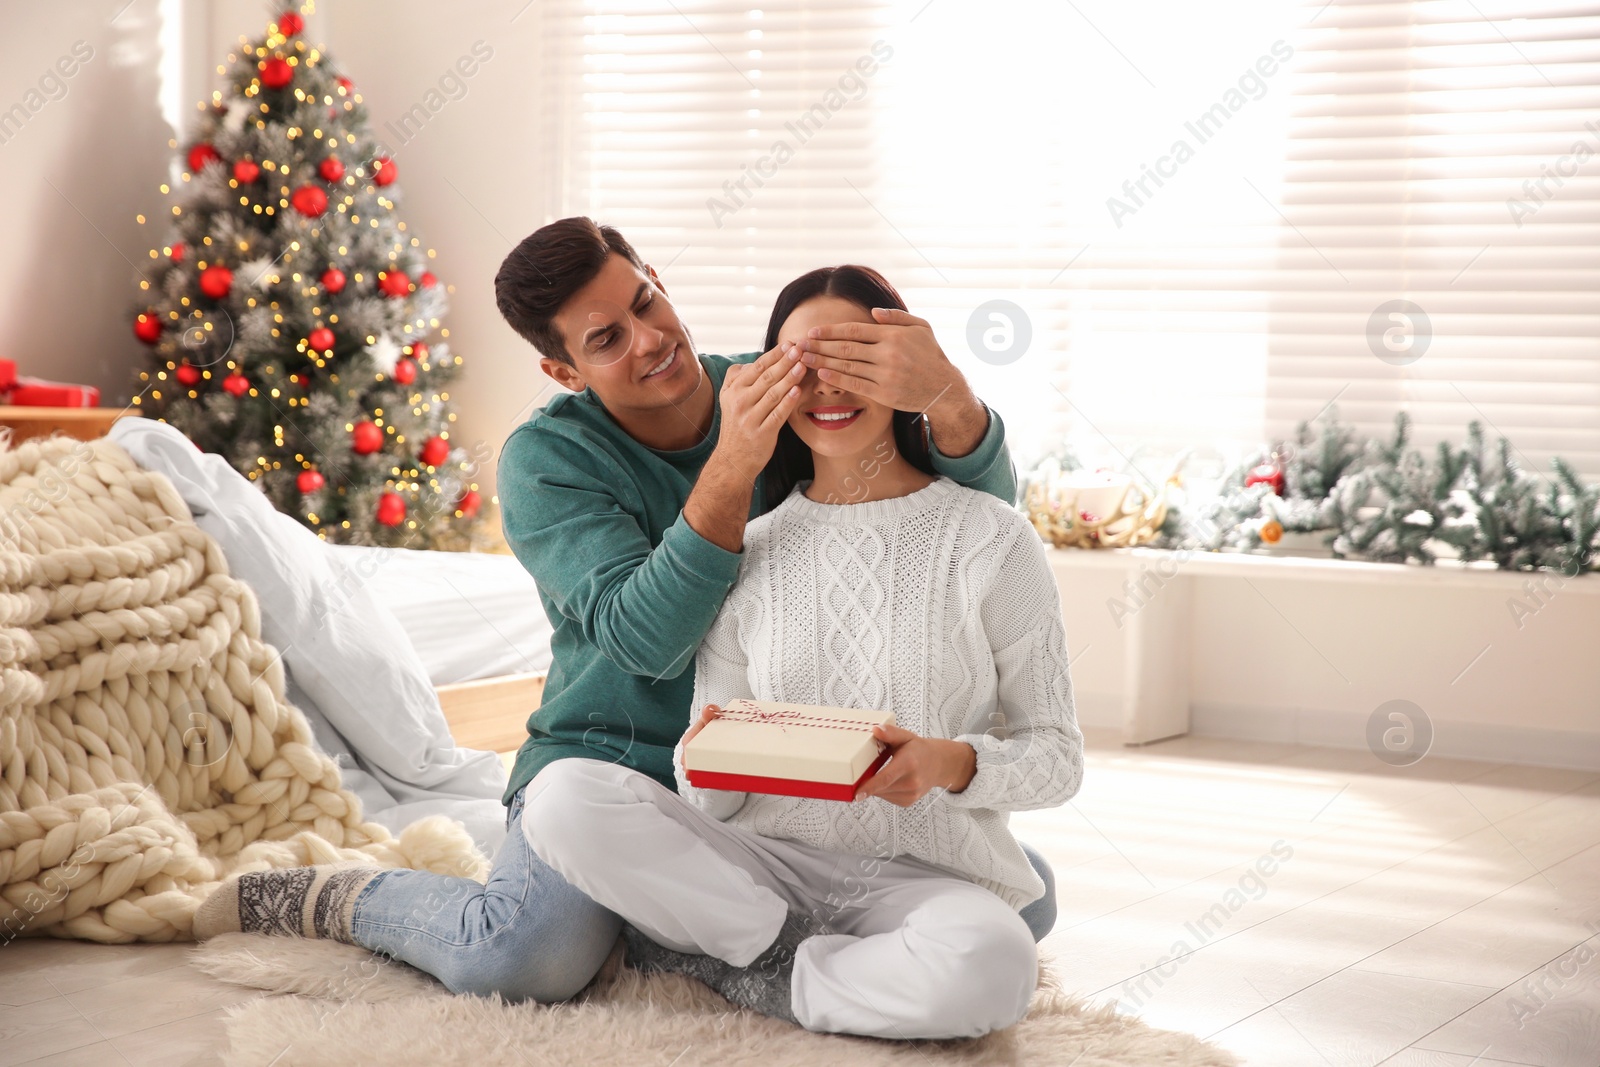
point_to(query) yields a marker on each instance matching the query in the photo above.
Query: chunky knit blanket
(146, 748)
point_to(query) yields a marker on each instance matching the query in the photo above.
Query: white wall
(1277, 657)
(73, 178)
(471, 178)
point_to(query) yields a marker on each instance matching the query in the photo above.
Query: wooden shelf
(85, 424)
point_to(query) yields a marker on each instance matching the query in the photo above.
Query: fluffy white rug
(342, 1005)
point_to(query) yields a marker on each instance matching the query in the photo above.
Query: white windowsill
(1482, 575)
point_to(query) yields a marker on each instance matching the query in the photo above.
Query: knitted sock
(294, 902)
(765, 986)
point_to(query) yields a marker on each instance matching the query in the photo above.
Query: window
(1204, 212)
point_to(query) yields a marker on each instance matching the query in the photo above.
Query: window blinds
(1205, 213)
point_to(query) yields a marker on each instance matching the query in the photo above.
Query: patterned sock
(765, 986)
(293, 902)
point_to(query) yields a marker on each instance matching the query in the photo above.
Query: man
(626, 498)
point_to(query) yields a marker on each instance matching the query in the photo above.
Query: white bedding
(350, 665)
(468, 614)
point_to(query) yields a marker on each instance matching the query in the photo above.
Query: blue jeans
(526, 934)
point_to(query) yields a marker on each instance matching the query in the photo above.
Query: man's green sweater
(629, 587)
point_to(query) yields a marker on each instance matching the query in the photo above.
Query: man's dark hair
(546, 268)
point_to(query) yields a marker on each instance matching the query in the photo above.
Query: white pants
(911, 952)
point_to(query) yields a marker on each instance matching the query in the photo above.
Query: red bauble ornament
(276, 73)
(187, 375)
(200, 155)
(331, 169)
(428, 280)
(405, 371)
(309, 201)
(179, 250)
(391, 509)
(216, 281)
(298, 380)
(236, 384)
(246, 171)
(345, 85)
(146, 327)
(1269, 474)
(383, 170)
(419, 351)
(289, 23)
(321, 339)
(309, 481)
(366, 438)
(394, 283)
(333, 280)
(435, 450)
(469, 503)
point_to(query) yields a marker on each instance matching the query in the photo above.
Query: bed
(476, 622)
(415, 670)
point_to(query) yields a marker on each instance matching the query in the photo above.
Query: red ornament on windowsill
(391, 509)
(1268, 474)
(366, 438)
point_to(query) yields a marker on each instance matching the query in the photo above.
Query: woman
(874, 584)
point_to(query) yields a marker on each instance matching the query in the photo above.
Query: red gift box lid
(35, 393)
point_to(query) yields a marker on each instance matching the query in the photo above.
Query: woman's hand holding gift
(707, 713)
(917, 765)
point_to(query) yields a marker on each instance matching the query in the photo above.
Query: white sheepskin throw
(340, 1005)
(146, 749)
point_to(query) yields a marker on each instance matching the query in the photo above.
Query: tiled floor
(1297, 905)
(1440, 915)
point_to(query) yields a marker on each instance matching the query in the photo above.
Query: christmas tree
(292, 321)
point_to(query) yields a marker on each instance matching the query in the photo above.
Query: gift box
(38, 393)
(791, 750)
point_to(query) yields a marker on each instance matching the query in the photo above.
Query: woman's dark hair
(791, 459)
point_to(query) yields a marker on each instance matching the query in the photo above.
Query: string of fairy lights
(264, 187)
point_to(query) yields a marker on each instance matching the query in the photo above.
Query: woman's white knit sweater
(938, 606)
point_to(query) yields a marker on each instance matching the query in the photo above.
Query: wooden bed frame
(492, 713)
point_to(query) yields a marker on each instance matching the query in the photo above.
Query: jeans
(526, 934)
